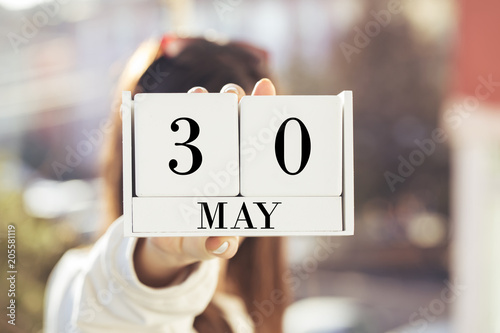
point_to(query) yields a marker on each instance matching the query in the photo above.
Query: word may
(243, 211)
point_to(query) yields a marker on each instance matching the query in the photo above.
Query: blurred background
(425, 76)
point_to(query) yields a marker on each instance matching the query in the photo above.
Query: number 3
(197, 157)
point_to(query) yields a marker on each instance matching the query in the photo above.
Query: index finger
(233, 88)
(264, 88)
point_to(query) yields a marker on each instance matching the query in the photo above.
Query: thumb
(203, 248)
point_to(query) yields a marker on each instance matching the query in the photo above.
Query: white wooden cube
(291, 145)
(186, 145)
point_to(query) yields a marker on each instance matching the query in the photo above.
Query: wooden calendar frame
(307, 216)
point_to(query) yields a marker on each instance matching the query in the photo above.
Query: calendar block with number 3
(181, 139)
(200, 164)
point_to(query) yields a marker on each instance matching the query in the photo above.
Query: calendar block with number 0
(202, 164)
(303, 154)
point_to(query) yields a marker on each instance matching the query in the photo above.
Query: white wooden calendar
(204, 165)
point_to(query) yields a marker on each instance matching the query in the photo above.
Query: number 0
(279, 146)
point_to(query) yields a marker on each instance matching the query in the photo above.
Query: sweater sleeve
(98, 291)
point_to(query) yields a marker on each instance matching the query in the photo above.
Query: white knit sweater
(98, 291)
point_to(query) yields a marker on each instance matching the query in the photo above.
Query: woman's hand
(163, 261)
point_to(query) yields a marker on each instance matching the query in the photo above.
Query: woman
(172, 284)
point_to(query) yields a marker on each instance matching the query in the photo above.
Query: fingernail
(231, 90)
(257, 85)
(221, 248)
(197, 90)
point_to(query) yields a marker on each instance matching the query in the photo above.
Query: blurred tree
(39, 245)
(399, 81)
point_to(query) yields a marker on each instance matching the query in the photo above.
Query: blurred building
(472, 116)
